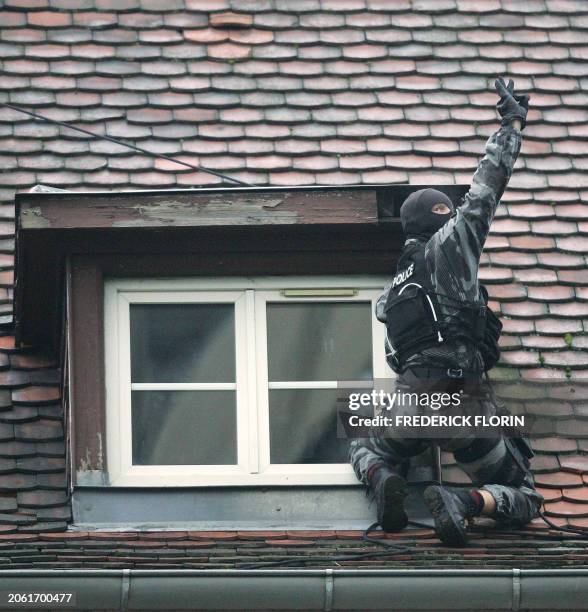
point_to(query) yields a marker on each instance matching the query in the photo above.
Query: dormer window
(203, 335)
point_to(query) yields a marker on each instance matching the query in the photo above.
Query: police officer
(439, 328)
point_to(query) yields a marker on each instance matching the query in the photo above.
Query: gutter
(307, 589)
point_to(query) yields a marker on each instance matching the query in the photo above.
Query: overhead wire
(126, 144)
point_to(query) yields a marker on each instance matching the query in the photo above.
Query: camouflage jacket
(452, 254)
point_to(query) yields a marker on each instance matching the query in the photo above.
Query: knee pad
(476, 450)
(498, 461)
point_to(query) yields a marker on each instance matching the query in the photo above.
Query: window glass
(319, 341)
(234, 381)
(303, 426)
(184, 428)
(182, 343)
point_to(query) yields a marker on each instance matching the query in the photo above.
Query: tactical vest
(414, 320)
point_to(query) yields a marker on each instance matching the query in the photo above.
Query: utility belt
(443, 379)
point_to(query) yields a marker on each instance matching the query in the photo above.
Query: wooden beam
(228, 208)
(87, 350)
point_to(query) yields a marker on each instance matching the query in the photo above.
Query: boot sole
(444, 511)
(395, 491)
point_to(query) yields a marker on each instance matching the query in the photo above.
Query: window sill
(229, 508)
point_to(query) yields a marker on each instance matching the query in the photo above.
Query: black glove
(511, 106)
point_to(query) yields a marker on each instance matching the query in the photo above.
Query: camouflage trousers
(491, 463)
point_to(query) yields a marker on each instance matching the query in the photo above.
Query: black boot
(389, 490)
(451, 508)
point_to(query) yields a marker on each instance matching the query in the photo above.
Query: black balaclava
(416, 216)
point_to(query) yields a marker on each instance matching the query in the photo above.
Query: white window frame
(249, 295)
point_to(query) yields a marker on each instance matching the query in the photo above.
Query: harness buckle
(454, 373)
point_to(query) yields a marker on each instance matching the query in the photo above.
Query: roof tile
(288, 542)
(315, 162)
(49, 19)
(435, 36)
(365, 51)
(520, 326)
(532, 243)
(325, 83)
(340, 36)
(371, 82)
(558, 326)
(292, 178)
(558, 480)
(578, 53)
(573, 309)
(342, 178)
(551, 294)
(39, 431)
(17, 482)
(277, 83)
(525, 310)
(387, 145)
(408, 161)
(36, 395)
(418, 82)
(578, 244)
(13, 19)
(140, 20)
(353, 98)
(377, 113)
(273, 131)
(263, 146)
(556, 227)
(229, 51)
(567, 37)
(573, 359)
(231, 19)
(179, 51)
(566, 509)
(206, 35)
(497, 52)
(577, 464)
(573, 495)
(318, 52)
(364, 161)
(439, 98)
(392, 66)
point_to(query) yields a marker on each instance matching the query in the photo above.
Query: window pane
(319, 341)
(303, 426)
(184, 428)
(182, 343)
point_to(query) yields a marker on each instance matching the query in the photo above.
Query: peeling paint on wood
(33, 218)
(193, 210)
(88, 462)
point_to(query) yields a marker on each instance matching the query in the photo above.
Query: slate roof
(291, 549)
(296, 92)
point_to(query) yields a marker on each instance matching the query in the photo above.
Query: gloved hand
(511, 106)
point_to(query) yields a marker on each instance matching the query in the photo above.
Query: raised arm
(456, 248)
